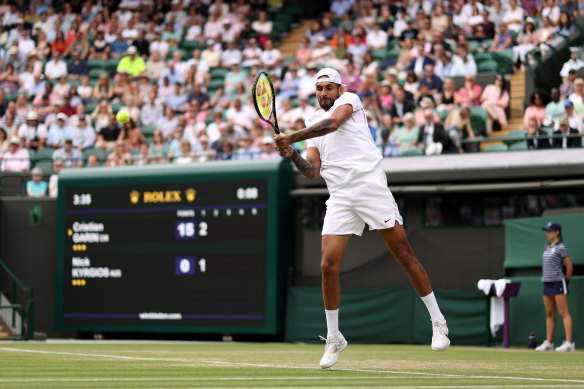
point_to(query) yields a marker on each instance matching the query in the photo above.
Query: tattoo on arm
(318, 129)
(305, 166)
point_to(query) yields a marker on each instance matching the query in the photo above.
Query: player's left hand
(286, 152)
(282, 141)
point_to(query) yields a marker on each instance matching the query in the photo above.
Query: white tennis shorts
(367, 200)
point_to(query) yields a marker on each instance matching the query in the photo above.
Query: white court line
(289, 367)
(138, 379)
(381, 386)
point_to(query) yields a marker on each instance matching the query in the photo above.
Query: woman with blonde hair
(447, 98)
(103, 88)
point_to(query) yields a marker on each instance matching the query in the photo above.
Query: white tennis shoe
(545, 346)
(566, 347)
(440, 339)
(332, 350)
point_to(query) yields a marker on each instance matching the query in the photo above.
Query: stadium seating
(411, 152)
(515, 136)
(498, 147)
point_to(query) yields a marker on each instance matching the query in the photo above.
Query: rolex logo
(134, 196)
(191, 194)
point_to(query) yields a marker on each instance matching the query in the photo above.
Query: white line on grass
(138, 379)
(465, 386)
(410, 373)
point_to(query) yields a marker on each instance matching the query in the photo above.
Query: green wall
(524, 240)
(385, 315)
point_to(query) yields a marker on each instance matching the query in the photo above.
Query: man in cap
(15, 59)
(340, 147)
(231, 56)
(58, 132)
(246, 148)
(70, 156)
(566, 137)
(32, 133)
(230, 33)
(574, 120)
(16, 159)
(83, 134)
(132, 63)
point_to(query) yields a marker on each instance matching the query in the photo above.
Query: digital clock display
(177, 256)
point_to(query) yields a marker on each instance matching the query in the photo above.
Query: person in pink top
(470, 93)
(16, 159)
(537, 108)
(495, 99)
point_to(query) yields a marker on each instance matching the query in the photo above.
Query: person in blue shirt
(119, 47)
(555, 287)
(178, 99)
(77, 67)
(37, 187)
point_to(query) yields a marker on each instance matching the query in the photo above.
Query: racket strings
(264, 96)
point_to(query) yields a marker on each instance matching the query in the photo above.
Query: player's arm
(309, 167)
(569, 268)
(326, 126)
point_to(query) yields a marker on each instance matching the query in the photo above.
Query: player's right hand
(286, 151)
(282, 140)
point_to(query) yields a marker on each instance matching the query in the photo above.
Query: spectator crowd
(183, 70)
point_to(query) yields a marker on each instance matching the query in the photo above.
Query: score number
(250, 193)
(187, 229)
(82, 199)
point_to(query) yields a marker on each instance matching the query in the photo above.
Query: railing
(25, 309)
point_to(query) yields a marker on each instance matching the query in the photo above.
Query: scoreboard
(197, 248)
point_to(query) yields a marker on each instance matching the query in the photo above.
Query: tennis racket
(264, 99)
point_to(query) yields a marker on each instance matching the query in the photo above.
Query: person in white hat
(32, 133)
(58, 132)
(341, 149)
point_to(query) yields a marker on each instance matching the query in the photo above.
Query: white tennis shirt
(348, 152)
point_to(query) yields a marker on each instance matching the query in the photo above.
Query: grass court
(120, 364)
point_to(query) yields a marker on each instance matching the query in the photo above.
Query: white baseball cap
(331, 76)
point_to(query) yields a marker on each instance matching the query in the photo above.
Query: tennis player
(341, 149)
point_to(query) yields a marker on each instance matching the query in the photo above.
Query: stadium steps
(517, 85)
(516, 101)
(290, 43)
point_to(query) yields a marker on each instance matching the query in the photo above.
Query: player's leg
(340, 222)
(333, 248)
(397, 242)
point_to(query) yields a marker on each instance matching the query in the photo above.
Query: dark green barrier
(393, 315)
(524, 240)
(528, 313)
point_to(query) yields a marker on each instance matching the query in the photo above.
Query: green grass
(187, 365)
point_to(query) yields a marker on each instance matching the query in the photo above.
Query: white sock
(432, 306)
(332, 323)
